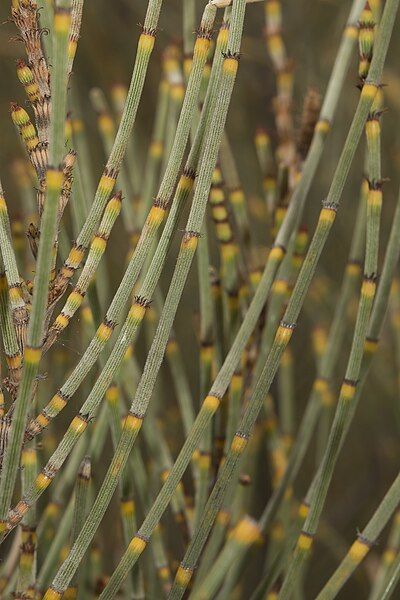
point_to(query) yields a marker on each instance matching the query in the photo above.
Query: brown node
(142, 301)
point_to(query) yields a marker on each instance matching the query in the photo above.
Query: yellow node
(104, 332)
(222, 38)
(32, 143)
(276, 253)
(87, 314)
(351, 32)
(353, 269)
(373, 129)
(187, 67)
(72, 45)
(375, 198)
(156, 216)
(78, 424)
(146, 42)
(321, 386)
(223, 518)
(304, 542)
(283, 335)
(15, 294)
(211, 403)
(57, 403)
(246, 532)
(156, 149)
(106, 184)
(133, 423)
(77, 125)
(190, 242)
(42, 482)
(224, 232)
(52, 595)
(75, 256)
(255, 277)
(137, 545)
(3, 205)
(62, 22)
(389, 555)
(230, 66)
(237, 197)
(128, 507)
(112, 394)
(20, 117)
(75, 299)
(201, 48)
(239, 443)
(106, 124)
(54, 179)
(61, 322)
(286, 359)
(28, 131)
(370, 346)
(32, 355)
(28, 457)
(358, 550)
(236, 383)
(164, 573)
(280, 286)
(206, 353)
(98, 244)
(262, 138)
(177, 92)
(42, 420)
(219, 211)
(185, 184)
(275, 44)
(347, 391)
(327, 216)
(137, 312)
(216, 197)
(172, 347)
(368, 288)
(129, 353)
(303, 511)
(183, 576)
(369, 91)
(323, 127)
(204, 461)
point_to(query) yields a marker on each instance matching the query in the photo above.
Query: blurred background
(311, 30)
